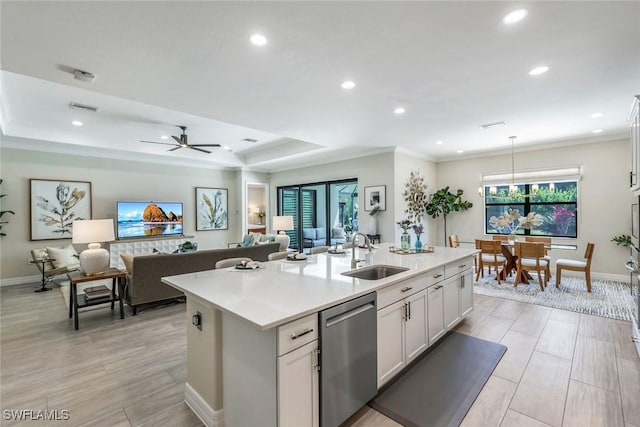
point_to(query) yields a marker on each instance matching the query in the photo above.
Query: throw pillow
(63, 257)
(247, 241)
(268, 238)
(40, 254)
(127, 259)
(337, 233)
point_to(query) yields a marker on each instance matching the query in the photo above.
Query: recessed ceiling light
(515, 16)
(399, 110)
(77, 123)
(348, 84)
(539, 70)
(258, 40)
(164, 137)
(597, 131)
(226, 147)
(439, 142)
(596, 115)
(460, 151)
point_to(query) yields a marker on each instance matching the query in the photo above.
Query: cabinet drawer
(297, 333)
(456, 267)
(396, 292)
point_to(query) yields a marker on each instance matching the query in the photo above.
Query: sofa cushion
(309, 233)
(63, 257)
(268, 238)
(321, 233)
(250, 239)
(337, 233)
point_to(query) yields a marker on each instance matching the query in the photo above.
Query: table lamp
(282, 224)
(95, 260)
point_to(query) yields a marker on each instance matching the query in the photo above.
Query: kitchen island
(251, 331)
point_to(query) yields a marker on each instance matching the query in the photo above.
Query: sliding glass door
(323, 213)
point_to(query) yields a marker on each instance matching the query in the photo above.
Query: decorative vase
(418, 243)
(405, 241)
(512, 237)
(373, 225)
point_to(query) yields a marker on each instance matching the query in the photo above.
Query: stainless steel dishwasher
(348, 358)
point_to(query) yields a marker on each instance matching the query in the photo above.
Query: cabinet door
(451, 303)
(390, 341)
(416, 336)
(298, 393)
(466, 293)
(435, 312)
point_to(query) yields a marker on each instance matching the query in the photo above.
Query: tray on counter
(412, 251)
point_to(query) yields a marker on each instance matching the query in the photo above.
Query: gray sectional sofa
(313, 237)
(144, 283)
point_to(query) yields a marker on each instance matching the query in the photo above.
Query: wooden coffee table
(118, 276)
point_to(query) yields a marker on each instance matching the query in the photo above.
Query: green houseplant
(622, 240)
(2, 214)
(443, 202)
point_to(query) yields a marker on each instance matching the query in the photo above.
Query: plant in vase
(511, 220)
(373, 225)
(405, 238)
(418, 229)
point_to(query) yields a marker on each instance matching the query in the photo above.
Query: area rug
(65, 289)
(443, 384)
(607, 298)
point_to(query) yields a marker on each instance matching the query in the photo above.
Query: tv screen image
(145, 219)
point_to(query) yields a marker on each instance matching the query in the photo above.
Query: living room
(297, 149)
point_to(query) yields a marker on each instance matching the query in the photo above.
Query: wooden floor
(561, 368)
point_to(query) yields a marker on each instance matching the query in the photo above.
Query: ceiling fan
(182, 142)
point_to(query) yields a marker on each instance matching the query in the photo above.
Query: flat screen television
(148, 219)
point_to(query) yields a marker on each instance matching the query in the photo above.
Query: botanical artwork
(211, 209)
(415, 194)
(375, 198)
(55, 205)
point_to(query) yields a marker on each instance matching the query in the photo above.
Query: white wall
(111, 180)
(371, 170)
(604, 200)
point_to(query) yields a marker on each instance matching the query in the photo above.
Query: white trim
(540, 175)
(201, 408)
(12, 281)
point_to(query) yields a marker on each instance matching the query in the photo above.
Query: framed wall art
(375, 195)
(211, 209)
(55, 204)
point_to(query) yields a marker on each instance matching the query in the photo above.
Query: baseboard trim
(207, 415)
(12, 281)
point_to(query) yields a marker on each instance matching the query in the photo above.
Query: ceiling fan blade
(154, 142)
(205, 145)
(178, 140)
(199, 149)
(175, 148)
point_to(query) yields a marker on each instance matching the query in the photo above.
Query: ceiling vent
(83, 107)
(489, 125)
(83, 76)
(251, 140)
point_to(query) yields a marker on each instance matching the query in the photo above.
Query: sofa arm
(307, 243)
(233, 245)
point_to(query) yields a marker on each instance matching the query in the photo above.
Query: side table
(118, 276)
(42, 261)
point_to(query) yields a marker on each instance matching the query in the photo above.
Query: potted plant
(373, 224)
(2, 213)
(443, 202)
(405, 238)
(622, 240)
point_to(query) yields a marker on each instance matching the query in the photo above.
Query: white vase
(373, 225)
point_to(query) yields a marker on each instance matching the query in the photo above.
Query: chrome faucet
(354, 260)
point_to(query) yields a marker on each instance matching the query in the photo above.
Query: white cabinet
(298, 397)
(451, 301)
(634, 117)
(435, 297)
(466, 293)
(402, 326)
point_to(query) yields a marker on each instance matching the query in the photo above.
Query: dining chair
(547, 248)
(230, 262)
(531, 257)
(573, 265)
(277, 255)
(454, 241)
(490, 255)
(500, 237)
(319, 249)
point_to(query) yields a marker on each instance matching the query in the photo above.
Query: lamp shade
(94, 260)
(93, 231)
(283, 223)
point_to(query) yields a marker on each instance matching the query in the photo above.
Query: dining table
(508, 250)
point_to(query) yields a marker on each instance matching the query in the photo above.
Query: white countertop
(284, 290)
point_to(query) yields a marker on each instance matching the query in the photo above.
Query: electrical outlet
(196, 320)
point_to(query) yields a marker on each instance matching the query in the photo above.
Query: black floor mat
(441, 387)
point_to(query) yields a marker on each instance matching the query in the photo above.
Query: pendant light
(513, 189)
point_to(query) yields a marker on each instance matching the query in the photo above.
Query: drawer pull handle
(305, 332)
(462, 265)
(438, 287)
(406, 288)
(437, 276)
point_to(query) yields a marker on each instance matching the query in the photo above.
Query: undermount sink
(375, 272)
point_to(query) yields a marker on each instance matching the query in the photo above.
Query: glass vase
(405, 241)
(418, 243)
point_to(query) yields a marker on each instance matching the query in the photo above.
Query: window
(556, 203)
